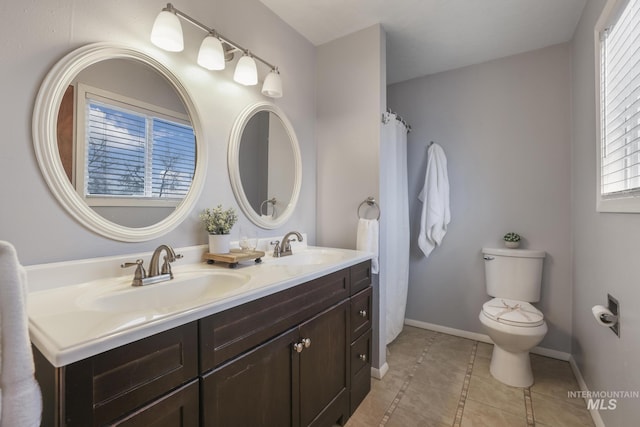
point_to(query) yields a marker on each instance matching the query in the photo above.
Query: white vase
(219, 243)
(512, 245)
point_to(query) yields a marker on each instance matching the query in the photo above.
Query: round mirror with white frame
(265, 167)
(160, 191)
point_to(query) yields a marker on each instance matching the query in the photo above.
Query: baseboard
(595, 414)
(378, 373)
(542, 351)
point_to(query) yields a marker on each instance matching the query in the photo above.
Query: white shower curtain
(394, 224)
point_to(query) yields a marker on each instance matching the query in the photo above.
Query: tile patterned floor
(441, 380)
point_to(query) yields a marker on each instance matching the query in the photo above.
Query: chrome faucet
(285, 248)
(140, 278)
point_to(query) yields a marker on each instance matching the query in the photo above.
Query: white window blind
(135, 153)
(620, 105)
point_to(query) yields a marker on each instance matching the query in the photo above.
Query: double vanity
(285, 342)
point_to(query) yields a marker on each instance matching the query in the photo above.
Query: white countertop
(67, 325)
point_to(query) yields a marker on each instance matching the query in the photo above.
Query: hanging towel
(367, 240)
(21, 401)
(435, 197)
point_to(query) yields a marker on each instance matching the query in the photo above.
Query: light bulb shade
(167, 32)
(246, 71)
(211, 54)
(272, 86)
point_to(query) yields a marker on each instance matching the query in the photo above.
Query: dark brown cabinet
(295, 358)
(253, 390)
(323, 376)
(360, 347)
(127, 380)
(298, 378)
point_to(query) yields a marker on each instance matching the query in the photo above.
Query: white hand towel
(367, 240)
(436, 213)
(21, 398)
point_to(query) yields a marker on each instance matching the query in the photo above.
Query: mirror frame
(233, 162)
(44, 124)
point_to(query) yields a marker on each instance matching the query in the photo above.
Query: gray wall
(351, 82)
(605, 248)
(505, 128)
(36, 35)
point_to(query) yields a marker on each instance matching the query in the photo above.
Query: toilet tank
(513, 273)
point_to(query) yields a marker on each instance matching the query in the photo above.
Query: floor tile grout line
(465, 386)
(528, 404)
(407, 381)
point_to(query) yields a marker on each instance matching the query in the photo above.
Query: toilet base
(512, 369)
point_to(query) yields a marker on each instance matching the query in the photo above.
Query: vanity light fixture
(272, 84)
(246, 71)
(214, 51)
(211, 54)
(167, 31)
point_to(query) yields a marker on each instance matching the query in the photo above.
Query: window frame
(623, 202)
(83, 92)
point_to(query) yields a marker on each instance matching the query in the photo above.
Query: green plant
(218, 221)
(511, 237)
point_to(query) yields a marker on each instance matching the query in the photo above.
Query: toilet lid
(513, 312)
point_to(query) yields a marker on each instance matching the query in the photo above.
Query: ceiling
(429, 36)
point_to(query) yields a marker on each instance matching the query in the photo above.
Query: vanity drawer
(360, 370)
(229, 333)
(181, 407)
(103, 387)
(361, 354)
(361, 312)
(360, 277)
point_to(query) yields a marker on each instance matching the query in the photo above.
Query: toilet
(513, 278)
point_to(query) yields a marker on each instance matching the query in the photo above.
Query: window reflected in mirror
(126, 142)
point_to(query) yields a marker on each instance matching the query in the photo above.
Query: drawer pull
(306, 342)
(363, 313)
(298, 347)
(362, 357)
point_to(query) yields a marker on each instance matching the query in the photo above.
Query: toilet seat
(513, 312)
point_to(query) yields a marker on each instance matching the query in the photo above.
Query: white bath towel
(436, 214)
(21, 400)
(367, 240)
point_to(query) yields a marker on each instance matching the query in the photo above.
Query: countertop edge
(59, 357)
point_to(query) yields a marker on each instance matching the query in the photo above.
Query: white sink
(310, 257)
(186, 290)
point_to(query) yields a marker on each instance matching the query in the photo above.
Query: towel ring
(273, 207)
(370, 201)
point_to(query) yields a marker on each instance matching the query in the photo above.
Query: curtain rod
(398, 117)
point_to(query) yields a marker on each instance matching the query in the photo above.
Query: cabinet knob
(363, 313)
(298, 347)
(306, 342)
(362, 357)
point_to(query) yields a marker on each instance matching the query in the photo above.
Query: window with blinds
(620, 104)
(133, 152)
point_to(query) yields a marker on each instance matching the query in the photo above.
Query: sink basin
(184, 291)
(310, 257)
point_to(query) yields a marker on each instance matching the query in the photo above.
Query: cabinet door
(323, 368)
(255, 389)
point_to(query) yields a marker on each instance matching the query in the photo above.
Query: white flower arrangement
(511, 237)
(218, 221)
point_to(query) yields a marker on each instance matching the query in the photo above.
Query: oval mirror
(265, 167)
(119, 142)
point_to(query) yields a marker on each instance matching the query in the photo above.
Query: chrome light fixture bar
(214, 51)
